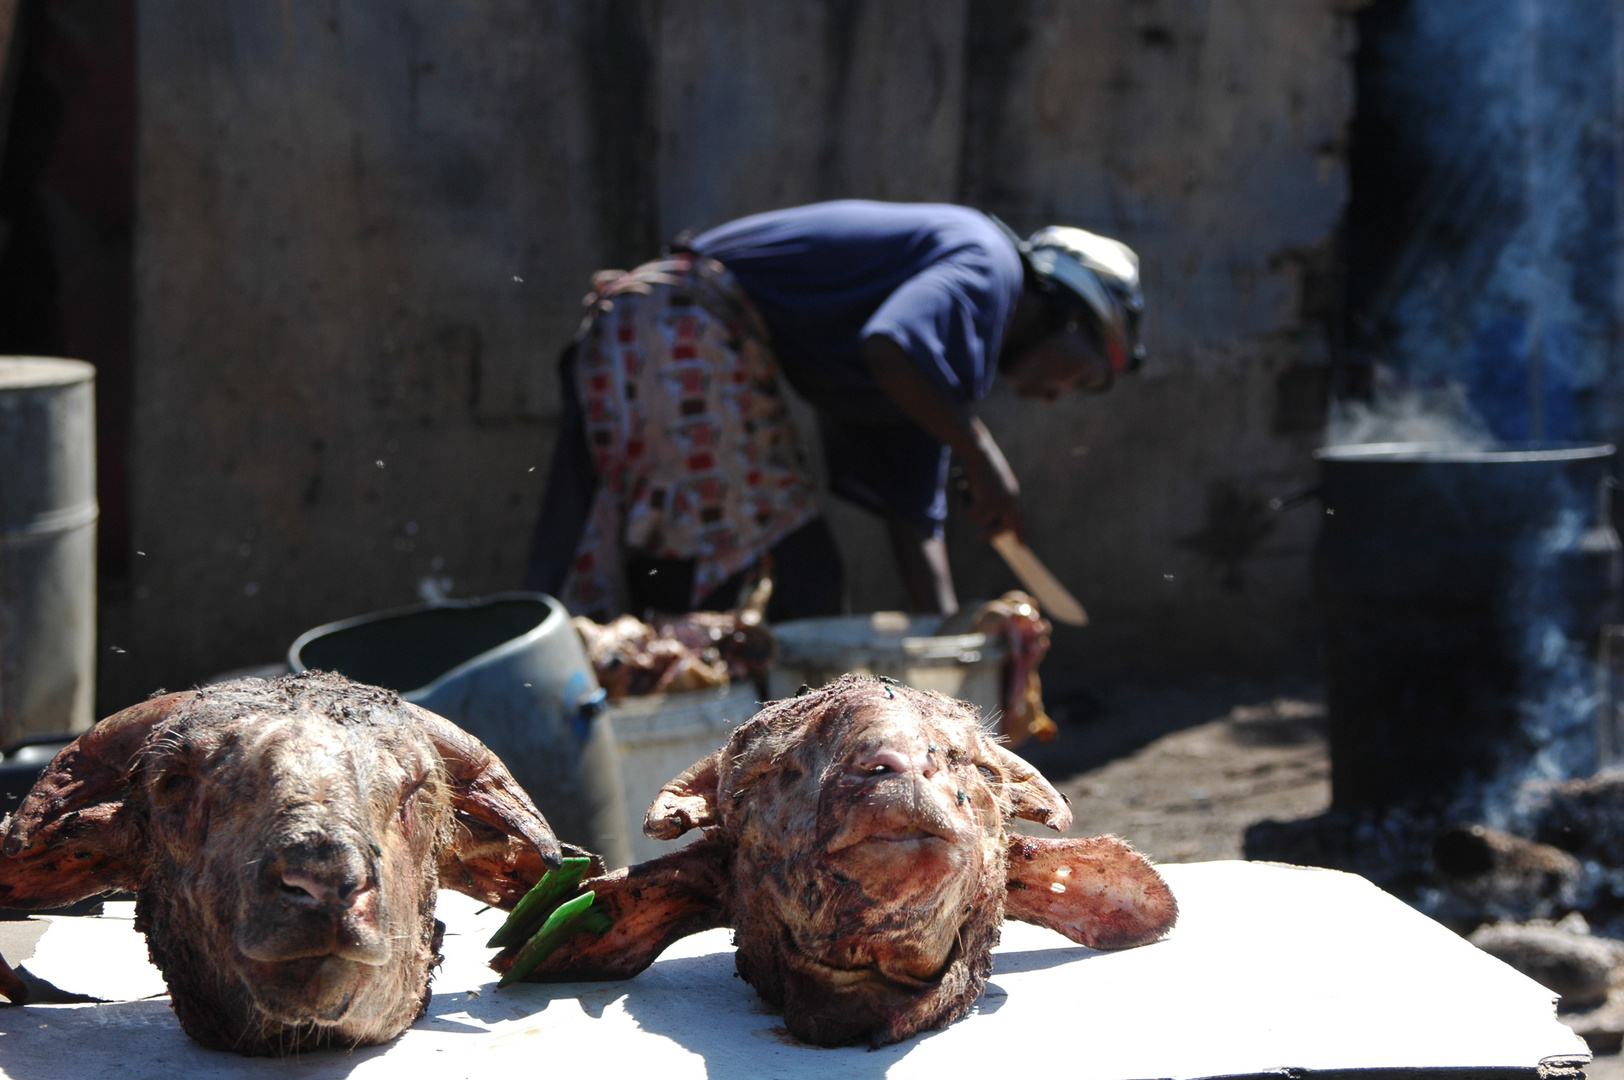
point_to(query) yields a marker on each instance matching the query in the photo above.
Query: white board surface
(1271, 967)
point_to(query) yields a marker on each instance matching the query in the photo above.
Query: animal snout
(326, 871)
(323, 888)
(888, 760)
(895, 787)
(318, 895)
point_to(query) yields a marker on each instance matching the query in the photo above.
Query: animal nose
(327, 870)
(890, 760)
(326, 888)
(317, 896)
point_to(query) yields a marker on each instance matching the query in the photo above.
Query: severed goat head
(857, 843)
(285, 840)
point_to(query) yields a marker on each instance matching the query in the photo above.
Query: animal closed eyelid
(172, 784)
(409, 792)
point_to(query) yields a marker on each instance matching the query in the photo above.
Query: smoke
(1439, 414)
(433, 589)
(1552, 642)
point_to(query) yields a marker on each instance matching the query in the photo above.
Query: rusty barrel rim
(1426, 453)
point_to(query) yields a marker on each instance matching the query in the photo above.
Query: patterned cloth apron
(695, 452)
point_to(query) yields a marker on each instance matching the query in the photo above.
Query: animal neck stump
(856, 840)
(285, 840)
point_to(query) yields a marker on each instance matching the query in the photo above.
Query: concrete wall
(363, 231)
(1209, 137)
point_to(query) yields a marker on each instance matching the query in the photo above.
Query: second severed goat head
(856, 840)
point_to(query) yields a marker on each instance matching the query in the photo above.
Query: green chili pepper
(560, 926)
(536, 904)
(598, 920)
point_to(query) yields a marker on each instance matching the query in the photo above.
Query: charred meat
(697, 651)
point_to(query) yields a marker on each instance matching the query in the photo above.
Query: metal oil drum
(47, 546)
(1462, 595)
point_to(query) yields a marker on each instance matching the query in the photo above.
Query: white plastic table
(1271, 968)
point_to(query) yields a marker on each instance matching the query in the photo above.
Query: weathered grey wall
(337, 202)
(362, 229)
(1208, 135)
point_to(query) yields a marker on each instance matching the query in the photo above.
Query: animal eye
(174, 785)
(407, 795)
(876, 770)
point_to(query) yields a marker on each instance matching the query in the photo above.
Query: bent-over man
(678, 468)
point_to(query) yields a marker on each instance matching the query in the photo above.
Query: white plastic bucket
(903, 647)
(640, 743)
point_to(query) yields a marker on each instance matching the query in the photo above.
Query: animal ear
(502, 842)
(71, 837)
(649, 905)
(1095, 890)
(688, 802)
(1030, 795)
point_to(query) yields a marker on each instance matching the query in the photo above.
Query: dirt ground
(1180, 772)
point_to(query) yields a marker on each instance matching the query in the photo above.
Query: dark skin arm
(1041, 358)
(994, 493)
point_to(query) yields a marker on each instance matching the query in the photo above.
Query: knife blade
(1052, 597)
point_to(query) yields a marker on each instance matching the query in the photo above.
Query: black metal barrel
(1462, 595)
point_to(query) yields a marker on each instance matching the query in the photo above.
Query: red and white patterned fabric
(695, 452)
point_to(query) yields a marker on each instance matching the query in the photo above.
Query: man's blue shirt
(939, 280)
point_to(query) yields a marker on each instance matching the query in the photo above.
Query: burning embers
(856, 841)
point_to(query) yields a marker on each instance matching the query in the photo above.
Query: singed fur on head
(844, 943)
(318, 765)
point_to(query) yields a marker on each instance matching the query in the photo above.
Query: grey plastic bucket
(903, 647)
(508, 668)
(47, 546)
